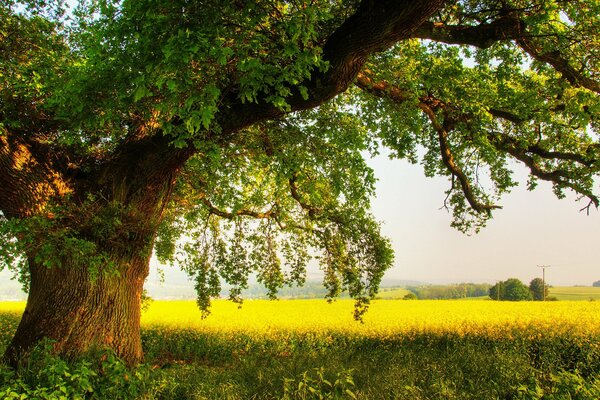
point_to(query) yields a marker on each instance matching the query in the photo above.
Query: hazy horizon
(533, 228)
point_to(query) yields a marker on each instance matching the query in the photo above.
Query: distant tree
(596, 284)
(410, 296)
(515, 290)
(538, 289)
(453, 291)
(495, 292)
(511, 289)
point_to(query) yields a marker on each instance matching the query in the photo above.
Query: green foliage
(511, 289)
(596, 284)
(313, 185)
(564, 385)
(453, 291)
(424, 365)
(70, 236)
(46, 376)
(410, 296)
(314, 385)
(538, 289)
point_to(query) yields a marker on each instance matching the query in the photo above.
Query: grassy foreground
(309, 349)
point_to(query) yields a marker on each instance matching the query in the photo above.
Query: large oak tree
(229, 137)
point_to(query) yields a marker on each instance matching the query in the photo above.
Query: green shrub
(49, 377)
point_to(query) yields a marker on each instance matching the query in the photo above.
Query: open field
(392, 293)
(575, 292)
(300, 349)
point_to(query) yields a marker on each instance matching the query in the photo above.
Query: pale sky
(533, 228)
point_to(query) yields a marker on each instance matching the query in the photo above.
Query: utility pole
(543, 267)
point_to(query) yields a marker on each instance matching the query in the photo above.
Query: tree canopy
(538, 289)
(231, 137)
(511, 289)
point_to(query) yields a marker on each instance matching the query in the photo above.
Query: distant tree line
(454, 291)
(596, 284)
(514, 290)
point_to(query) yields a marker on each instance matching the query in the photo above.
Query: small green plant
(564, 385)
(49, 377)
(315, 386)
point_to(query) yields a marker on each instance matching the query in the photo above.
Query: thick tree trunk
(115, 210)
(80, 314)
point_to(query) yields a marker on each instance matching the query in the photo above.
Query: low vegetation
(308, 349)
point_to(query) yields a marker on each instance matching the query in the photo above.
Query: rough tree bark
(79, 314)
(74, 306)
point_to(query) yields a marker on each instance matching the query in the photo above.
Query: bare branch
(589, 205)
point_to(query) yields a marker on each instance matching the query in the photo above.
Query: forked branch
(428, 105)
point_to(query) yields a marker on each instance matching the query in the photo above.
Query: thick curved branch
(381, 89)
(508, 27)
(374, 27)
(561, 155)
(482, 36)
(539, 151)
(272, 213)
(450, 163)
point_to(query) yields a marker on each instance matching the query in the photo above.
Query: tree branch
(374, 27)
(507, 27)
(312, 211)
(449, 162)
(243, 212)
(558, 176)
(428, 104)
(483, 35)
(561, 64)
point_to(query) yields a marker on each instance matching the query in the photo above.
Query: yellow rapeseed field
(384, 318)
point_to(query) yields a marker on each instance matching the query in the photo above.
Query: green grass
(575, 292)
